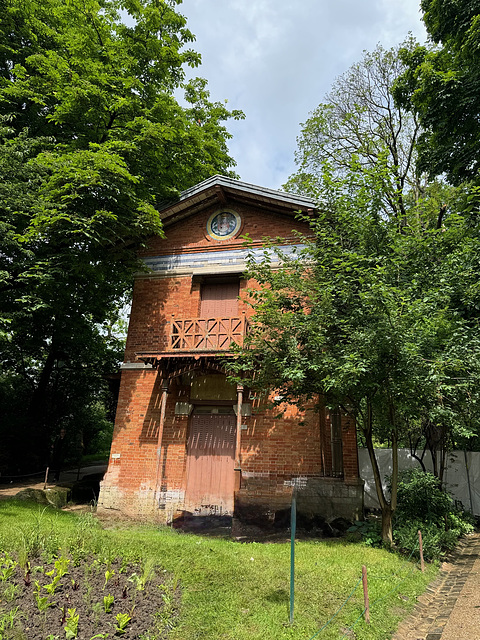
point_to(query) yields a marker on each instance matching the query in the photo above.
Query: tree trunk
(387, 524)
(37, 427)
(385, 505)
(394, 482)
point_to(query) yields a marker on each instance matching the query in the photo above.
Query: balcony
(207, 334)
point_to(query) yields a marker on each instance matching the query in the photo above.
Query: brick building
(186, 440)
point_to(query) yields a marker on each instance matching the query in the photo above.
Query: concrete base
(331, 498)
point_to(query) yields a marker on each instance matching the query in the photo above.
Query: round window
(223, 225)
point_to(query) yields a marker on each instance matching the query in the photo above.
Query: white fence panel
(456, 479)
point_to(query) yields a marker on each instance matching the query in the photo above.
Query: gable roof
(220, 190)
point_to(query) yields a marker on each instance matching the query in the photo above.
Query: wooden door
(219, 300)
(210, 464)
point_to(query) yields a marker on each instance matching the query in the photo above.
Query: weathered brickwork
(147, 474)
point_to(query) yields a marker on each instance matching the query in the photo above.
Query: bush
(423, 505)
(420, 497)
(436, 541)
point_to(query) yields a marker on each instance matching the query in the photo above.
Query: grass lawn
(228, 590)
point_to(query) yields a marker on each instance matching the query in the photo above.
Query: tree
(360, 119)
(92, 141)
(368, 317)
(441, 85)
(334, 322)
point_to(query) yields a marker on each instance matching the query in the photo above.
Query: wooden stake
(365, 594)
(46, 478)
(420, 544)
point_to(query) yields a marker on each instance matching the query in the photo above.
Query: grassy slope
(236, 591)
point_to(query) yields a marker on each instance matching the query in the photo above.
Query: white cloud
(276, 59)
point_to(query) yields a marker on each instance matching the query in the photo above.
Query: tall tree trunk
(385, 505)
(36, 413)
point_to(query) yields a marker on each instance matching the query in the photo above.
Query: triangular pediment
(220, 190)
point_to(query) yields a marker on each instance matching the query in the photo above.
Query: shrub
(420, 497)
(423, 505)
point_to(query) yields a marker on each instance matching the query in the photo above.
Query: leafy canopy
(442, 87)
(92, 141)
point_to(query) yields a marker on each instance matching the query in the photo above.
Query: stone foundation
(320, 498)
(324, 498)
(138, 505)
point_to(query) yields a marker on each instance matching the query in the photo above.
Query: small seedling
(108, 576)
(137, 581)
(97, 609)
(101, 636)
(50, 588)
(71, 625)
(148, 571)
(7, 569)
(43, 603)
(122, 621)
(7, 620)
(108, 603)
(10, 592)
(61, 566)
(27, 574)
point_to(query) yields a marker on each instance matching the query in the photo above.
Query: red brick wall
(257, 224)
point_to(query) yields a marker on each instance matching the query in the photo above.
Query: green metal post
(293, 526)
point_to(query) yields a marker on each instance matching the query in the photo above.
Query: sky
(276, 59)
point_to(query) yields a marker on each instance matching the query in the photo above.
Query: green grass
(238, 591)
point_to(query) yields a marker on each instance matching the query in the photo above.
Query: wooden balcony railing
(207, 334)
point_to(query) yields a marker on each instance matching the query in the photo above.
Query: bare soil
(41, 615)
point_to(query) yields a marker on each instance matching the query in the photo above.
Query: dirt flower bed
(57, 597)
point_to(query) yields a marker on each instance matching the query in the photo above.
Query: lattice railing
(207, 334)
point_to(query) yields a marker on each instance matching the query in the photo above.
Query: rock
(55, 496)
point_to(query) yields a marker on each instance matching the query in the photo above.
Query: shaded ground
(10, 487)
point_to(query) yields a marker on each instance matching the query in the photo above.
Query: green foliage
(108, 603)
(369, 532)
(379, 314)
(92, 141)
(108, 576)
(122, 621)
(7, 567)
(71, 624)
(225, 593)
(421, 497)
(423, 505)
(441, 85)
(360, 122)
(436, 541)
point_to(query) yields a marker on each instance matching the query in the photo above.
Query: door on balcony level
(218, 304)
(219, 300)
(210, 463)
